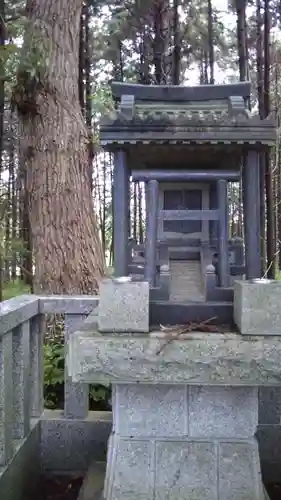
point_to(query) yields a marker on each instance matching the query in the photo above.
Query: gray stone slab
(223, 412)
(129, 472)
(72, 445)
(21, 381)
(194, 359)
(92, 487)
(186, 471)
(239, 472)
(270, 405)
(68, 304)
(6, 398)
(124, 307)
(142, 410)
(15, 311)
(37, 330)
(18, 480)
(76, 396)
(257, 308)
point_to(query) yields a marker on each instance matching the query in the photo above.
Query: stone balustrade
(34, 439)
(22, 329)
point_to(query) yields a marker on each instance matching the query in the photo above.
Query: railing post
(37, 365)
(76, 395)
(21, 380)
(6, 398)
(151, 233)
(223, 233)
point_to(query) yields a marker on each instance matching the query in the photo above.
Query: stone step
(92, 487)
(186, 283)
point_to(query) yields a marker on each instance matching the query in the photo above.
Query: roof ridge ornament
(236, 106)
(127, 106)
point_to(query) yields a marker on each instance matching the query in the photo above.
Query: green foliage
(54, 364)
(53, 373)
(15, 288)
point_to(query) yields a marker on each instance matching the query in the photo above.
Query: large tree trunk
(68, 255)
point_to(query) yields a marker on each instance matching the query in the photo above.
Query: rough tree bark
(211, 42)
(68, 254)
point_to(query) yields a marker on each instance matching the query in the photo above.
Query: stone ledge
(72, 444)
(194, 359)
(15, 311)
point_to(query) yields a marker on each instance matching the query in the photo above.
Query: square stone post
(120, 213)
(213, 224)
(251, 205)
(223, 233)
(151, 232)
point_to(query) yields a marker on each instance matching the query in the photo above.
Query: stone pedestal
(183, 443)
(257, 309)
(185, 412)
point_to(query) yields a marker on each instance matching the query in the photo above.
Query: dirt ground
(274, 491)
(52, 487)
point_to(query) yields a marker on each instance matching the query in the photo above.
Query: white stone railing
(22, 330)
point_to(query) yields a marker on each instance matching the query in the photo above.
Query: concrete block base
(183, 442)
(257, 307)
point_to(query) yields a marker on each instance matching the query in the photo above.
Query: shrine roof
(214, 114)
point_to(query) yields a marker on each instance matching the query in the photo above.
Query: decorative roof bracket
(127, 106)
(236, 106)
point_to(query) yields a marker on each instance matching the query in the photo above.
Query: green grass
(14, 288)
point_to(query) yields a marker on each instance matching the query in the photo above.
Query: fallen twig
(174, 332)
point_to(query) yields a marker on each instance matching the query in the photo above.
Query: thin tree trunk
(177, 44)
(2, 107)
(14, 201)
(241, 38)
(211, 41)
(8, 225)
(67, 250)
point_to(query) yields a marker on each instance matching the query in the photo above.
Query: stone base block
(148, 469)
(257, 307)
(183, 443)
(124, 307)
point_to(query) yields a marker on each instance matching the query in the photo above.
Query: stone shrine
(185, 403)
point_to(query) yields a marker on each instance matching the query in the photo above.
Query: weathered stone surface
(257, 308)
(184, 469)
(194, 359)
(68, 304)
(149, 410)
(21, 381)
(6, 398)
(15, 311)
(129, 474)
(239, 471)
(222, 412)
(123, 307)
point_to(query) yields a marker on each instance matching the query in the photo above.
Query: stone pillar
(223, 233)
(213, 205)
(251, 204)
(183, 443)
(121, 213)
(151, 232)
